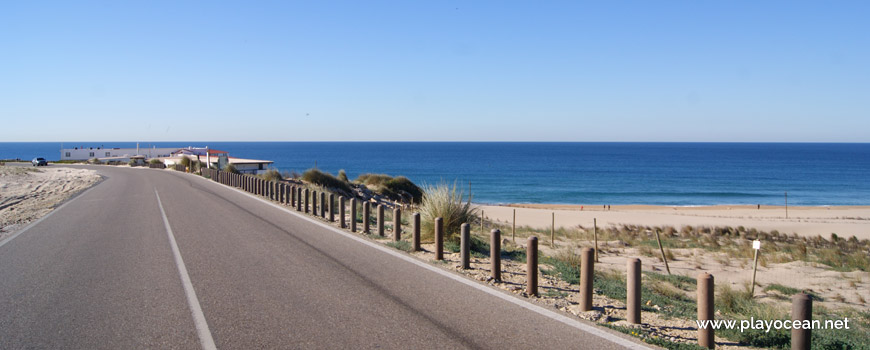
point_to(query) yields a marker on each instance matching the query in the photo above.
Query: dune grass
(326, 180)
(398, 188)
(449, 204)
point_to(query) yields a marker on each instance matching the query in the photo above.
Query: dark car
(39, 161)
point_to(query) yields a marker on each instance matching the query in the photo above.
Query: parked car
(38, 161)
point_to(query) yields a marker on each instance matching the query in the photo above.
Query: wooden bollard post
(495, 253)
(439, 239)
(397, 224)
(299, 199)
(532, 266)
(380, 220)
(587, 274)
(464, 245)
(367, 212)
(342, 222)
(288, 199)
(282, 193)
(801, 310)
(632, 287)
(306, 200)
(705, 309)
(323, 205)
(331, 207)
(353, 215)
(416, 239)
(314, 207)
(293, 195)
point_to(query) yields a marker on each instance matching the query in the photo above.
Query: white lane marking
(202, 330)
(2, 243)
(504, 296)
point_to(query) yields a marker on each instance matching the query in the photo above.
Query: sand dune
(845, 221)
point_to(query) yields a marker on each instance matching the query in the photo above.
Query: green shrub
(154, 161)
(271, 175)
(447, 203)
(398, 188)
(342, 175)
(94, 161)
(231, 169)
(185, 161)
(373, 179)
(326, 180)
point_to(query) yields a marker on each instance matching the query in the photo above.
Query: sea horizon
(578, 173)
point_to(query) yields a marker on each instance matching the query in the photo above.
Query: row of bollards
(299, 197)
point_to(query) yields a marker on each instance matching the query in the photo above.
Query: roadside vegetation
(448, 203)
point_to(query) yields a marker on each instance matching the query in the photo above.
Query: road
(159, 259)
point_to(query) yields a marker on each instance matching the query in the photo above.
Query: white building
(169, 156)
(85, 153)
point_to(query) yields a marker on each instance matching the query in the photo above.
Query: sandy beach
(27, 193)
(845, 221)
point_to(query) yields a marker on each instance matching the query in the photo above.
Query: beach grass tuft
(448, 203)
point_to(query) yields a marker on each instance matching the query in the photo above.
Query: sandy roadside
(27, 193)
(845, 221)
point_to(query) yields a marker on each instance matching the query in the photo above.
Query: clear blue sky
(408, 70)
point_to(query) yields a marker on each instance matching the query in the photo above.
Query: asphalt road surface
(159, 259)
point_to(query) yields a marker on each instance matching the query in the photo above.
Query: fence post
(495, 253)
(380, 220)
(705, 309)
(332, 207)
(439, 239)
(341, 219)
(367, 211)
(323, 204)
(292, 195)
(288, 196)
(353, 215)
(314, 203)
(532, 266)
(587, 271)
(632, 281)
(299, 199)
(464, 238)
(801, 310)
(416, 239)
(307, 195)
(397, 224)
(514, 227)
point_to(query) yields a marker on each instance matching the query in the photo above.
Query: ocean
(682, 174)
